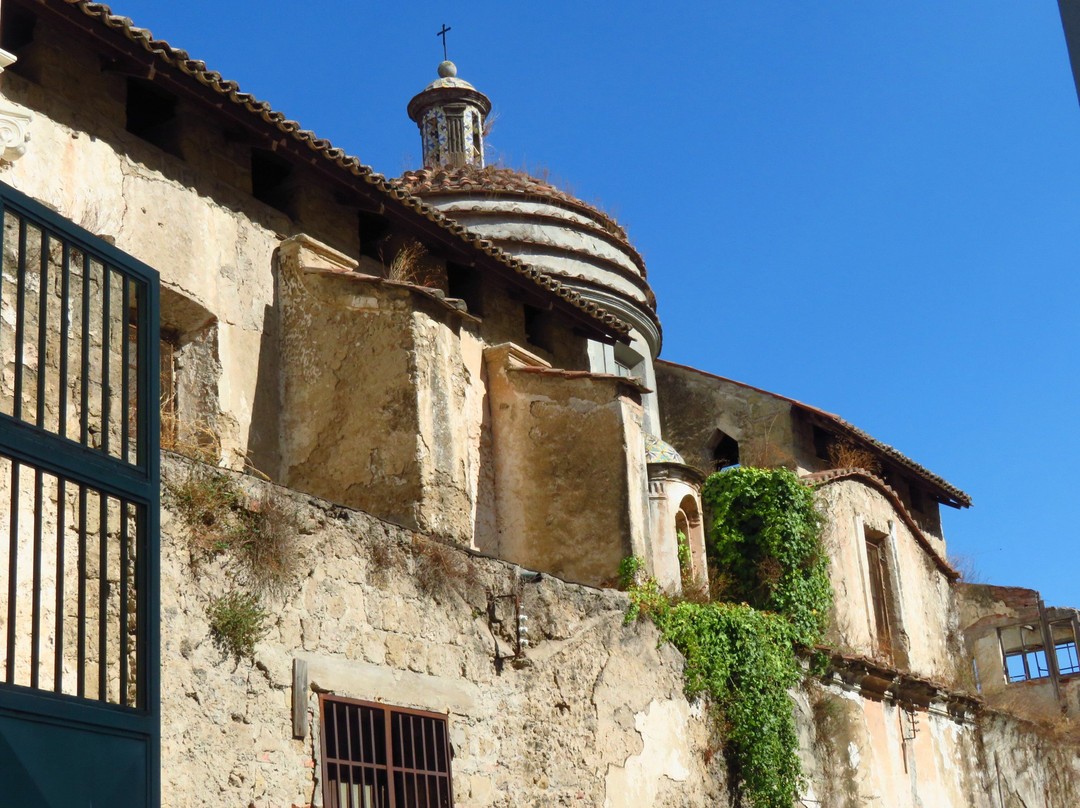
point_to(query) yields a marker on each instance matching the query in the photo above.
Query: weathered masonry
(408, 430)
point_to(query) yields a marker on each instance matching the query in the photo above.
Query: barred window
(375, 756)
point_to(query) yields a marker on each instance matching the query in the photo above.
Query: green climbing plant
(766, 540)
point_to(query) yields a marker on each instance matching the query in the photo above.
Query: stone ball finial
(447, 69)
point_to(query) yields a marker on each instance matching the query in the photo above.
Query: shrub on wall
(766, 536)
(766, 540)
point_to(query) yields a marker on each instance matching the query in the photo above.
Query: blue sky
(870, 207)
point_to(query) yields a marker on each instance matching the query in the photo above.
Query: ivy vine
(765, 544)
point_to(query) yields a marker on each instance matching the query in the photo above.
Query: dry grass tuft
(382, 558)
(260, 535)
(439, 568)
(844, 454)
(408, 264)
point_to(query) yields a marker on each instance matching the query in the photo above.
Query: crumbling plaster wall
(594, 715)
(570, 476)
(192, 218)
(923, 617)
(381, 397)
(859, 750)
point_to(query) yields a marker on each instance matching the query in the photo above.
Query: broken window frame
(1029, 652)
(382, 752)
(1063, 635)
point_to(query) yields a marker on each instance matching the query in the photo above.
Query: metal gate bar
(79, 462)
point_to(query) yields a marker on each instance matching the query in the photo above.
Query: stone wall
(592, 715)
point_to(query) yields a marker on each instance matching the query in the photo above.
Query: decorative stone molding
(14, 126)
(14, 134)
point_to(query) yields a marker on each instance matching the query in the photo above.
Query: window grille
(375, 756)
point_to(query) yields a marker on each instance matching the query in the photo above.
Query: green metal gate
(79, 513)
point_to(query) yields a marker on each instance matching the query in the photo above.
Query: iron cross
(442, 33)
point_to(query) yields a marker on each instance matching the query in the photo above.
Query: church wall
(922, 619)
(693, 406)
(380, 408)
(569, 468)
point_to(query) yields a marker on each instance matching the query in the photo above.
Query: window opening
(1065, 647)
(18, 29)
(376, 756)
(151, 115)
(270, 175)
(822, 441)
(478, 149)
(464, 283)
(877, 563)
(1024, 653)
(537, 327)
(726, 452)
(916, 497)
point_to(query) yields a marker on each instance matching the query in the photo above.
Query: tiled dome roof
(498, 181)
(660, 451)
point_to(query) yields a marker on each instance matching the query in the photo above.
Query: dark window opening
(464, 283)
(878, 566)
(478, 148)
(916, 498)
(822, 441)
(372, 230)
(538, 327)
(151, 115)
(376, 756)
(726, 452)
(17, 29)
(270, 181)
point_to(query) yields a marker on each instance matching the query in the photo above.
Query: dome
(659, 451)
(550, 229)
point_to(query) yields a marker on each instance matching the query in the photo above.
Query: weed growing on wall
(237, 622)
(259, 534)
(766, 538)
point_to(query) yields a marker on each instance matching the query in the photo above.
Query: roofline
(192, 78)
(821, 478)
(950, 494)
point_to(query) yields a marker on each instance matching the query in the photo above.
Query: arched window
(725, 451)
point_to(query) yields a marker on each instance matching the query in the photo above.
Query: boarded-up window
(375, 756)
(878, 567)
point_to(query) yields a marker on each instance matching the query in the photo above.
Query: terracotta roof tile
(196, 69)
(835, 475)
(496, 180)
(852, 431)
